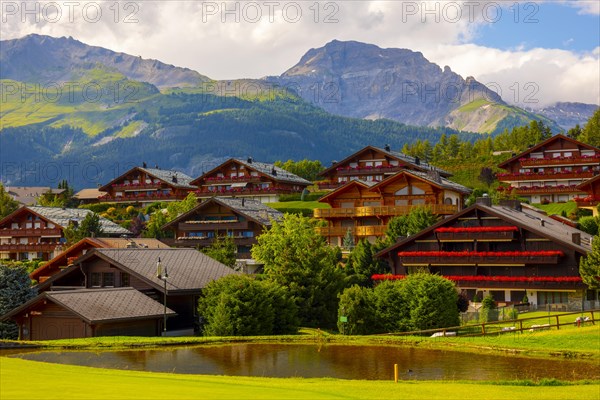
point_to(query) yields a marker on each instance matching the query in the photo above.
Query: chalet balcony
(212, 225)
(358, 171)
(193, 241)
(361, 231)
(30, 232)
(136, 186)
(545, 176)
(472, 236)
(501, 281)
(29, 247)
(543, 189)
(230, 179)
(517, 284)
(142, 197)
(244, 191)
(380, 211)
(589, 201)
(329, 185)
(479, 258)
(579, 160)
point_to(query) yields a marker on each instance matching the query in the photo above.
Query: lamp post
(163, 276)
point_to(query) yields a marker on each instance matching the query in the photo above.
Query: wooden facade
(241, 219)
(551, 171)
(504, 250)
(147, 185)
(365, 208)
(592, 200)
(372, 164)
(249, 179)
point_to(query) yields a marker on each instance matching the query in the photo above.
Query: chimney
(417, 161)
(434, 175)
(273, 171)
(249, 160)
(333, 163)
(542, 222)
(243, 202)
(174, 178)
(576, 237)
(144, 165)
(388, 148)
(513, 204)
(484, 201)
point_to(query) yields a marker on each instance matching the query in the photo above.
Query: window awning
(239, 184)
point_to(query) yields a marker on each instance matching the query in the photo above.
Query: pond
(336, 361)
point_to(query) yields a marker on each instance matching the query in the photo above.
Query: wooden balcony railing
(30, 232)
(510, 285)
(380, 211)
(589, 201)
(142, 197)
(544, 176)
(326, 185)
(230, 179)
(136, 186)
(213, 226)
(471, 236)
(30, 247)
(361, 231)
(593, 160)
(472, 260)
(358, 171)
(546, 189)
(205, 241)
(245, 191)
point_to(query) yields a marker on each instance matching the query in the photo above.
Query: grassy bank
(21, 379)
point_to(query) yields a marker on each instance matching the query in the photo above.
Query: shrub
(357, 305)
(240, 305)
(391, 307)
(15, 290)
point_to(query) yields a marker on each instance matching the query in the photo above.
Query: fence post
(557, 323)
(593, 317)
(483, 329)
(521, 326)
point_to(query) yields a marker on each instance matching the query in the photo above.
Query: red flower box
(478, 229)
(475, 278)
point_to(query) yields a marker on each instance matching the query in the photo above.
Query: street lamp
(163, 275)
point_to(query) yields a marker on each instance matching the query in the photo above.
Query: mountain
(38, 58)
(567, 115)
(365, 81)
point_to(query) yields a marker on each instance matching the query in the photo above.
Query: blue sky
(547, 25)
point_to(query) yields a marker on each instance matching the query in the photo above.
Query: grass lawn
(557, 208)
(22, 379)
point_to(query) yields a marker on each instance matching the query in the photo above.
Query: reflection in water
(337, 361)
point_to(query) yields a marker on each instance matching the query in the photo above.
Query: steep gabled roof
(183, 180)
(269, 170)
(251, 209)
(422, 166)
(63, 216)
(28, 195)
(589, 182)
(101, 305)
(545, 143)
(88, 194)
(76, 249)
(189, 270)
(526, 219)
(346, 186)
(442, 183)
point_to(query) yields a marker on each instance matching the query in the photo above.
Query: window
(248, 234)
(552, 298)
(124, 279)
(403, 191)
(108, 279)
(401, 202)
(416, 202)
(95, 280)
(417, 190)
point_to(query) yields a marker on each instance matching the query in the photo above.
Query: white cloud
(192, 34)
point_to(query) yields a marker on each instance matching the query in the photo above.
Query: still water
(337, 361)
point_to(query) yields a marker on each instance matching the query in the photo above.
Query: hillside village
(377, 215)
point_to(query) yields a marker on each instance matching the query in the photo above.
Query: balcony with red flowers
(541, 282)
(588, 201)
(222, 191)
(480, 233)
(541, 189)
(368, 170)
(575, 160)
(546, 175)
(479, 257)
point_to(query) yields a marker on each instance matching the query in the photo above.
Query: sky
(533, 53)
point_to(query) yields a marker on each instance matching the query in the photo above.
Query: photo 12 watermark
(71, 12)
(319, 12)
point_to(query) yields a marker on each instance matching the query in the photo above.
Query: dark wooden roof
(442, 183)
(189, 270)
(525, 218)
(165, 175)
(251, 209)
(589, 182)
(545, 143)
(101, 305)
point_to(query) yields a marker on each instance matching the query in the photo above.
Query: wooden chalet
(29, 195)
(240, 218)
(249, 179)
(88, 196)
(37, 232)
(364, 208)
(508, 251)
(67, 257)
(189, 271)
(551, 171)
(372, 164)
(84, 313)
(147, 185)
(592, 200)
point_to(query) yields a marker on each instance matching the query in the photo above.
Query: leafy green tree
(7, 203)
(297, 257)
(589, 266)
(15, 290)
(176, 208)
(89, 227)
(488, 309)
(418, 218)
(391, 307)
(241, 305)
(362, 264)
(307, 169)
(591, 131)
(431, 300)
(348, 240)
(154, 225)
(589, 225)
(358, 306)
(222, 249)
